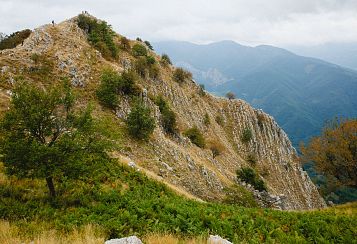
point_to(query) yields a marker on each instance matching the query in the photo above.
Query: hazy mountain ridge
(300, 92)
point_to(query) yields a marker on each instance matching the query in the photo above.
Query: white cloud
(278, 22)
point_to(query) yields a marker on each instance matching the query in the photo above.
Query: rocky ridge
(174, 160)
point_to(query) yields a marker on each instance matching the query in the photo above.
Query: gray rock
(125, 240)
(132, 164)
(217, 240)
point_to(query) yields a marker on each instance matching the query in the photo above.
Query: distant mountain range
(300, 92)
(344, 54)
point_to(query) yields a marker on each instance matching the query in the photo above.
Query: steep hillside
(300, 93)
(54, 52)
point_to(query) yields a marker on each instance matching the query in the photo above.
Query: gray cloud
(278, 22)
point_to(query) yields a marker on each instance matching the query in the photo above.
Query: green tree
(43, 137)
(140, 123)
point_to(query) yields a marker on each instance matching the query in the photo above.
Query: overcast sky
(275, 22)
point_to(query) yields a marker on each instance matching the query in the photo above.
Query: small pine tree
(230, 95)
(165, 60)
(148, 44)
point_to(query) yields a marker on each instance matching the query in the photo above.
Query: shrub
(14, 39)
(252, 159)
(261, 120)
(219, 119)
(246, 135)
(216, 148)
(139, 39)
(140, 66)
(202, 90)
(165, 60)
(148, 44)
(100, 35)
(139, 50)
(112, 84)
(154, 71)
(109, 88)
(180, 75)
(150, 60)
(230, 95)
(144, 65)
(206, 119)
(168, 117)
(239, 196)
(140, 123)
(124, 43)
(249, 176)
(195, 136)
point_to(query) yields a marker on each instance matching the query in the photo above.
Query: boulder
(125, 240)
(217, 240)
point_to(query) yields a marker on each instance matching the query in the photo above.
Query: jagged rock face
(174, 158)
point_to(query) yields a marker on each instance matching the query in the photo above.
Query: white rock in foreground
(125, 240)
(217, 240)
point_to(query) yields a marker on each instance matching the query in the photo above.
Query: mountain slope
(65, 52)
(301, 93)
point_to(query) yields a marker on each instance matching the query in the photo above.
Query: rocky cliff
(65, 52)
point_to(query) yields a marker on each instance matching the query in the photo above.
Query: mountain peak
(51, 53)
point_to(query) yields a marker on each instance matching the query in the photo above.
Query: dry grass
(11, 234)
(170, 239)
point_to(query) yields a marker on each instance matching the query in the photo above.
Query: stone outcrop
(125, 240)
(174, 158)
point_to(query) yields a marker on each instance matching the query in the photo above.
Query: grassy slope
(121, 202)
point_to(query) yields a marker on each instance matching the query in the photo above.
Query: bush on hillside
(195, 136)
(216, 148)
(112, 84)
(168, 117)
(219, 120)
(252, 159)
(248, 175)
(146, 65)
(180, 75)
(247, 135)
(140, 123)
(100, 35)
(202, 90)
(230, 95)
(148, 44)
(139, 50)
(124, 43)
(16, 38)
(165, 60)
(206, 120)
